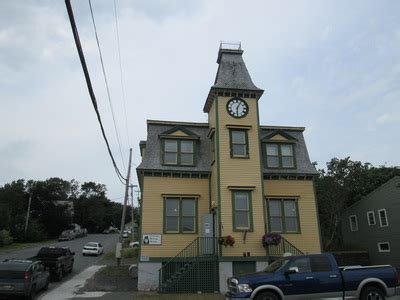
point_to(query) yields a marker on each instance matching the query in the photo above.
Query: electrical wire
(121, 73)
(106, 83)
(89, 85)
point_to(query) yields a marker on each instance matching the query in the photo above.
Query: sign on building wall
(151, 239)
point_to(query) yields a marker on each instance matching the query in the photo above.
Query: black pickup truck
(58, 260)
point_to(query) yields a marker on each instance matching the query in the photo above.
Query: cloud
(389, 118)
(330, 66)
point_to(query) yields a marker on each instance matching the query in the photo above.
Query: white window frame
(351, 226)
(373, 214)
(380, 219)
(383, 251)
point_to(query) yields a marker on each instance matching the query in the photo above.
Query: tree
(50, 212)
(342, 184)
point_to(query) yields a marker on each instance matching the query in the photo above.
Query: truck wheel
(32, 294)
(46, 286)
(372, 293)
(267, 295)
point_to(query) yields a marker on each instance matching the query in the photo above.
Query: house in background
(204, 183)
(373, 224)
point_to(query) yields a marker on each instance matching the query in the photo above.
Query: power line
(89, 84)
(106, 82)
(120, 72)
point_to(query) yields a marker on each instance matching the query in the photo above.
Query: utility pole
(119, 244)
(28, 213)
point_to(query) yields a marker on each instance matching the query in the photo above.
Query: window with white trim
(353, 223)
(383, 219)
(384, 247)
(371, 218)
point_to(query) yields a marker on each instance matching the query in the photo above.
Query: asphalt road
(81, 262)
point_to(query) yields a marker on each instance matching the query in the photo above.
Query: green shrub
(125, 242)
(35, 233)
(5, 238)
(130, 252)
(126, 253)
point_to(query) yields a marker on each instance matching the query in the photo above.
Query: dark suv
(22, 278)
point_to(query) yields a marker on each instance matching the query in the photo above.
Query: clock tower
(236, 173)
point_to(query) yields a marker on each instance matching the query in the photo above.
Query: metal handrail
(200, 247)
(283, 247)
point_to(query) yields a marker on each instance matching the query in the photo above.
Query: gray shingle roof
(232, 72)
(232, 75)
(153, 160)
(303, 163)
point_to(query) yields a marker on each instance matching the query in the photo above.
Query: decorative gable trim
(274, 136)
(179, 132)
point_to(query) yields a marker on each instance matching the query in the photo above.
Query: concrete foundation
(148, 276)
(225, 271)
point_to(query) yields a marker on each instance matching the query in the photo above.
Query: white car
(93, 248)
(134, 244)
(125, 234)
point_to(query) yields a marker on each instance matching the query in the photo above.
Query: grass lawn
(21, 246)
(115, 271)
(129, 257)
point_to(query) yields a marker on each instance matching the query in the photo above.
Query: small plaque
(151, 239)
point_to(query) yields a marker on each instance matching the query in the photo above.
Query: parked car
(314, 277)
(66, 235)
(93, 248)
(134, 244)
(125, 234)
(22, 278)
(58, 260)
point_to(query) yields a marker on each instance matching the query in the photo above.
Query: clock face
(237, 107)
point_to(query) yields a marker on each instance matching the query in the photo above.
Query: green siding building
(373, 224)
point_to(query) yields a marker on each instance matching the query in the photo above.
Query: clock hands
(237, 108)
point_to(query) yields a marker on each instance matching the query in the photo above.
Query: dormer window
(279, 155)
(279, 150)
(178, 147)
(178, 152)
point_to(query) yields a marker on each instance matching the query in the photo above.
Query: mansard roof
(303, 163)
(157, 129)
(152, 160)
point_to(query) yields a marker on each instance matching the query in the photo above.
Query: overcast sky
(331, 66)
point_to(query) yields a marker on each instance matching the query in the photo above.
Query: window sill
(280, 168)
(243, 230)
(240, 157)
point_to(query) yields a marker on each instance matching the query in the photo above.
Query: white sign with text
(151, 239)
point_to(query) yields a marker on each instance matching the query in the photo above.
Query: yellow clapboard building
(224, 197)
